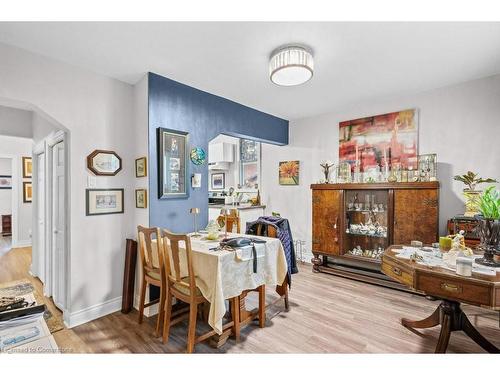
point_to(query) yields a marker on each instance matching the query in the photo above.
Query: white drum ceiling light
(291, 65)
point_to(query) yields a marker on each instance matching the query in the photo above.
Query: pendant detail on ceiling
(291, 65)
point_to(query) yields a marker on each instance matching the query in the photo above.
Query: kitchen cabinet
(221, 153)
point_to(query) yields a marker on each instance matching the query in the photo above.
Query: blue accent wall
(173, 105)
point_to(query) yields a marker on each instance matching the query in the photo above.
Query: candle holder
(195, 212)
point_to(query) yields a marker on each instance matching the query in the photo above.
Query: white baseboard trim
(17, 244)
(93, 312)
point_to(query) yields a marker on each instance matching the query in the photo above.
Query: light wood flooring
(5, 244)
(328, 315)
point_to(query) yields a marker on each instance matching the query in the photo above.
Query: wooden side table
(452, 290)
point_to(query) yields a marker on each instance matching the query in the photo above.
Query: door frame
(38, 150)
(47, 146)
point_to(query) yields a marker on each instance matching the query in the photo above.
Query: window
(249, 164)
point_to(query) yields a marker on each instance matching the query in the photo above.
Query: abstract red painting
(372, 141)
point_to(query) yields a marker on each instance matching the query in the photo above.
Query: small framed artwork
(104, 163)
(172, 164)
(141, 198)
(104, 201)
(217, 181)
(27, 192)
(141, 167)
(5, 182)
(196, 180)
(27, 167)
(289, 172)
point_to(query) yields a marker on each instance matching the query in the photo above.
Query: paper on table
(23, 333)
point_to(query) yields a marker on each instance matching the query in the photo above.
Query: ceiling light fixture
(291, 65)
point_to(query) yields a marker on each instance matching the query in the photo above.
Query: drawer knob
(396, 271)
(451, 288)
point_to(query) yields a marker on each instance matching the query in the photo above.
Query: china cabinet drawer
(451, 288)
(397, 272)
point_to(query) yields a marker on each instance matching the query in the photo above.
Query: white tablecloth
(226, 274)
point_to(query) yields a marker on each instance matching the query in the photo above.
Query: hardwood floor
(328, 315)
(5, 244)
(15, 264)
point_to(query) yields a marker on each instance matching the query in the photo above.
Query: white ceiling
(353, 61)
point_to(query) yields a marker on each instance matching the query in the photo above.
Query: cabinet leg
(316, 263)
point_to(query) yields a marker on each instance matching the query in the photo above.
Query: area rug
(23, 287)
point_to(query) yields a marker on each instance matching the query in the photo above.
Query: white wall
(5, 194)
(98, 112)
(16, 148)
(42, 127)
(460, 123)
(15, 122)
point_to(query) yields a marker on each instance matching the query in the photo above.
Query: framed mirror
(172, 164)
(104, 163)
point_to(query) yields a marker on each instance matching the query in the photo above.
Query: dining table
(225, 273)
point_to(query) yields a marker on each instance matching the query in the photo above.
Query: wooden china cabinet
(352, 224)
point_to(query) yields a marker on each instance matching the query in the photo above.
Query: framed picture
(391, 138)
(196, 180)
(217, 180)
(5, 182)
(27, 167)
(27, 192)
(104, 201)
(289, 172)
(141, 167)
(141, 198)
(104, 163)
(172, 164)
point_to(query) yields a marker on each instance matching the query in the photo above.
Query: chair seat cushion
(185, 289)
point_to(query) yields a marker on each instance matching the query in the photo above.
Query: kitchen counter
(240, 207)
(247, 213)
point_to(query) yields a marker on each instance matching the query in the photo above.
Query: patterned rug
(23, 287)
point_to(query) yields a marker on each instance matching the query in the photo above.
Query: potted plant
(488, 226)
(471, 180)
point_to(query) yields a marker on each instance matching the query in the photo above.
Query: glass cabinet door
(366, 224)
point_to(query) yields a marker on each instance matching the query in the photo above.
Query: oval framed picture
(104, 163)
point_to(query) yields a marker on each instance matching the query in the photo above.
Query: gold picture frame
(141, 167)
(27, 167)
(141, 198)
(27, 192)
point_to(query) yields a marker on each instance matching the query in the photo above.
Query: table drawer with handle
(398, 272)
(455, 289)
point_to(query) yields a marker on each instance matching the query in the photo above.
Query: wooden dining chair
(232, 220)
(152, 274)
(282, 290)
(181, 287)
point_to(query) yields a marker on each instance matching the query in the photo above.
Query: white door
(58, 229)
(40, 197)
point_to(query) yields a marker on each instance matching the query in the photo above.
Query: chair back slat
(146, 248)
(231, 221)
(172, 243)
